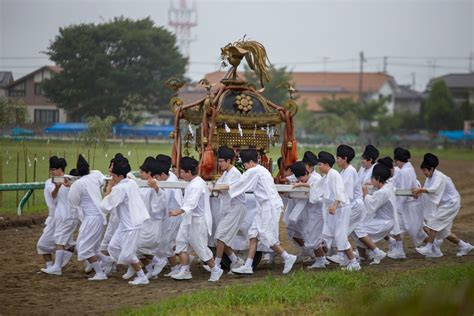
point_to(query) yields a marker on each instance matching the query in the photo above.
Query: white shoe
(370, 255)
(191, 259)
(378, 257)
(289, 264)
(326, 261)
(172, 272)
(114, 267)
(396, 254)
(98, 277)
(318, 264)
(206, 267)
(423, 250)
(139, 281)
(243, 270)
(436, 253)
(129, 274)
(52, 270)
(267, 258)
(352, 266)
(465, 250)
(157, 268)
(107, 266)
(182, 275)
(215, 276)
(66, 258)
(338, 258)
(240, 262)
(88, 267)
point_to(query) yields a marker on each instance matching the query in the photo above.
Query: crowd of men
(149, 227)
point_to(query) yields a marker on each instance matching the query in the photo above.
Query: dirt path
(25, 291)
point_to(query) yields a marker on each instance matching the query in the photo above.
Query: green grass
(440, 291)
(26, 151)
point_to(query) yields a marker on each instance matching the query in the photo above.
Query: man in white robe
(265, 224)
(369, 158)
(196, 225)
(314, 224)
(85, 197)
(46, 245)
(410, 209)
(123, 196)
(380, 207)
(233, 210)
(337, 208)
(445, 202)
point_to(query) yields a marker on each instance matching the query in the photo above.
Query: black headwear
(121, 167)
(247, 155)
(401, 154)
(82, 166)
(299, 169)
(117, 156)
(162, 167)
(73, 172)
(386, 161)
(225, 153)
(370, 152)
(54, 162)
(326, 157)
(345, 151)
(381, 172)
(310, 158)
(164, 158)
(62, 163)
(189, 164)
(147, 164)
(429, 161)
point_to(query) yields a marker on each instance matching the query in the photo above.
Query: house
(312, 87)
(460, 85)
(41, 111)
(6, 77)
(407, 99)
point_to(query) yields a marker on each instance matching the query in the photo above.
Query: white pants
(443, 217)
(265, 225)
(46, 244)
(295, 218)
(336, 228)
(357, 215)
(64, 230)
(410, 218)
(170, 230)
(194, 235)
(109, 232)
(149, 238)
(230, 223)
(123, 246)
(313, 237)
(376, 229)
(90, 234)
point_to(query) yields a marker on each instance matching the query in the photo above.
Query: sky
(420, 38)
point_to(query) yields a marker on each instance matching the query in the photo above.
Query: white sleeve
(375, 201)
(191, 198)
(316, 191)
(157, 203)
(246, 183)
(48, 198)
(74, 196)
(112, 200)
(337, 186)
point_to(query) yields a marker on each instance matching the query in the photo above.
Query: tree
(439, 109)
(274, 90)
(98, 130)
(12, 112)
(106, 64)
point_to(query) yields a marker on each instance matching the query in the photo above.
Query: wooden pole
(17, 173)
(34, 176)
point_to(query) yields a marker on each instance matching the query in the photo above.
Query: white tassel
(227, 128)
(255, 131)
(240, 130)
(191, 129)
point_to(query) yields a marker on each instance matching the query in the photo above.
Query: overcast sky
(414, 35)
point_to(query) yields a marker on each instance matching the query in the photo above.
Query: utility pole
(385, 58)
(361, 74)
(413, 80)
(471, 56)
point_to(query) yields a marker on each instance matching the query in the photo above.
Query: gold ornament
(244, 102)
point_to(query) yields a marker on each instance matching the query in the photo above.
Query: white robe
(313, 230)
(381, 206)
(269, 204)
(66, 219)
(354, 193)
(444, 201)
(232, 210)
(336, 226)
(197, 220)
(46, 243)
(125, 199)
(365, 175)
(410, 210)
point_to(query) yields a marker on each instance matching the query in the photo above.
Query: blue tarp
(66, 128)
(19, 131)
(457, 135)
(147, 130)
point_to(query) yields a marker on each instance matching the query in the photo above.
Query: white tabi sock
(58, 260)
(48, 264)
(155, 260)
(97, 267)
(218, 261)
(248, 263)
(149, 267)
(399, 244)
(429, 246)
(103, 257)
(353, 260)
(216, 268)
(185, 268)
(462, 244)
(140, 273)
(233, 258)
(176, 268)
(285, 255)
(376, 250)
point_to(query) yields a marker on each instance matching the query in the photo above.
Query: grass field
(444, 290)
(18, 158)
